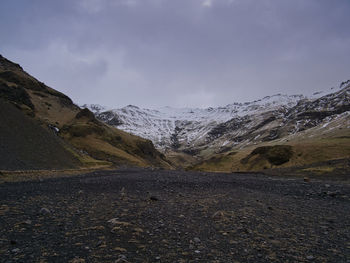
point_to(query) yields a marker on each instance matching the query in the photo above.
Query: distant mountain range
(234, 125)
(234, 137)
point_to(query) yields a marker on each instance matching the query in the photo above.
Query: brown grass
(102, 150)
(306, 151)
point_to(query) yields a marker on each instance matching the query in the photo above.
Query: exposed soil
(173, 216)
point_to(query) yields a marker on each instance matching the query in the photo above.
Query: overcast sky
(182, 53)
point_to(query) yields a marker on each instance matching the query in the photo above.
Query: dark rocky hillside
(24, 144)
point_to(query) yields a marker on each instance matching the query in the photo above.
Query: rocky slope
(24, 144)
(85, 140)
(174, 216)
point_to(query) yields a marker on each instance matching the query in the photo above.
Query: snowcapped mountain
(235, 125)
(95, 108)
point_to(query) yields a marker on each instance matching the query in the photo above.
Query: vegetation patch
(275, 155)
(145, 149)
(16, 95)
(82, 129)
(20, 80)
(224, 149)
(191, 151)
(217, 163)
(23, 80)
(40, 94)
(86, 113)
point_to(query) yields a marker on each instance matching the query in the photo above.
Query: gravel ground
(172, 216)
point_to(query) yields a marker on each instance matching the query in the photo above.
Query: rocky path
(173, 216)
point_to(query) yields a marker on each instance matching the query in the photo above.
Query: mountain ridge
(161, 124)
(191, 136)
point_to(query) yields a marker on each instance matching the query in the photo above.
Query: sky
(179, 53)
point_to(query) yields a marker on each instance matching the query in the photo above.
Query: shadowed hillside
(27, 145)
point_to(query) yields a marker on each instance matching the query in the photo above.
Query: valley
(187, 131)
(239, 137)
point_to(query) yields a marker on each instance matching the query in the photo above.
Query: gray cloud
(179, 53)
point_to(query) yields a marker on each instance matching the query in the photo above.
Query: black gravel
(136, 215)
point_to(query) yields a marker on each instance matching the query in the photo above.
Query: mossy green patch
(16, 95)
(275, 155)
(82, 129)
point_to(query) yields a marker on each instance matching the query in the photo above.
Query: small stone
(196, 240)
(28, 222)
(327, 185)
(115, 229)
(80, 192)
(181, 216)
(158, 258)
(121, 259)
(218, 215)
(310, 257)
(123, 192)
(45, 211)
(77, 260)
(15, 250)
(332, 194)
(113, 221)
(99, 243)
(120, 249)
(197, 251)
(154, 198)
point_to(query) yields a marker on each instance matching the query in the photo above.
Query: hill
(27, 145)
(85, 140)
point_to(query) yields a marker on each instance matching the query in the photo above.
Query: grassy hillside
(104, 142)
(90, 141)
(296, 151)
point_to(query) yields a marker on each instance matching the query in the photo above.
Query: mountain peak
(131, 107)
(6, 64)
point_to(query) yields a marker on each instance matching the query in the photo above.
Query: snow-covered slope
(234, 125)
